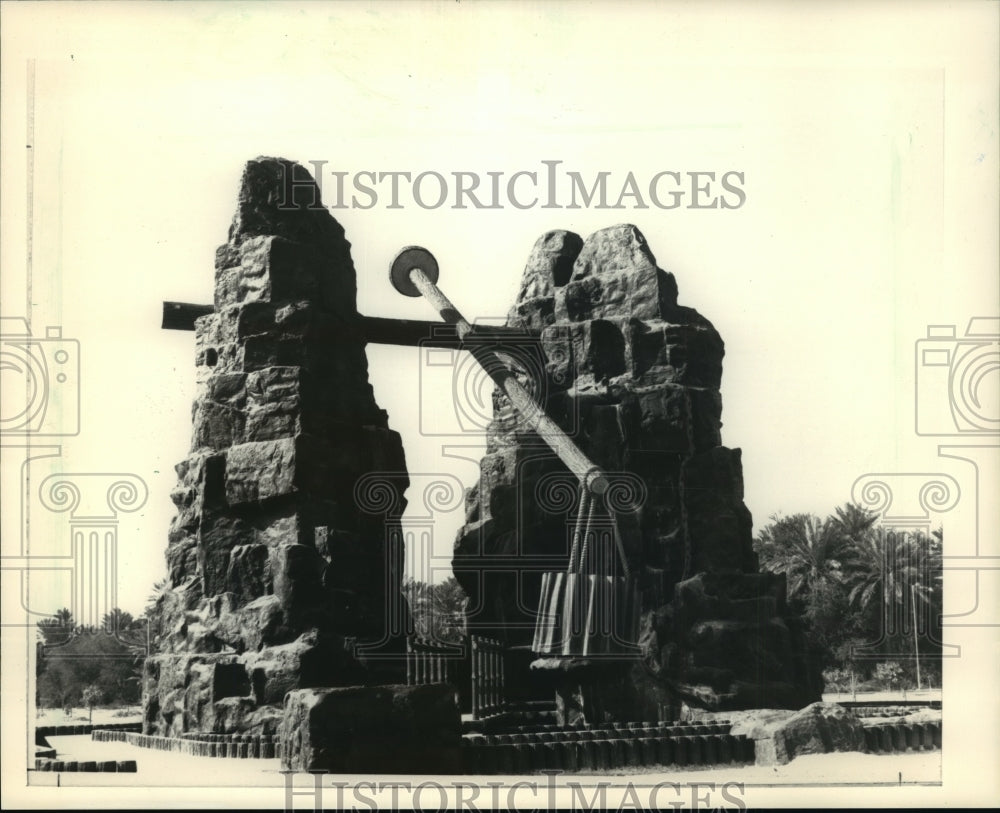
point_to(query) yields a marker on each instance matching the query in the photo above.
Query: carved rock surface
(284, 425)
(633, 379)
(374, 729)
(781, 735)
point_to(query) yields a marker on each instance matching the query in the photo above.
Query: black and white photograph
(499, 405)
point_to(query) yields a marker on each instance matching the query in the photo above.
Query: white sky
(867, 138)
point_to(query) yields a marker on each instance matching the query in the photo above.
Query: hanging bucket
(583, 614)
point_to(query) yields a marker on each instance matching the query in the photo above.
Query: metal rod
(576, 461)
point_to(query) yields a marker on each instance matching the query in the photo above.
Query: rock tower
(277, 572)
(633, 377)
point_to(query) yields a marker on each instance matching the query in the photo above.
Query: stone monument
(278, 577)
(283, 615)
(633, 377)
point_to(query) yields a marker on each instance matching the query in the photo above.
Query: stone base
(780, 735)
(725, 641)
(372, 729)
(600, 691)
(228, 692)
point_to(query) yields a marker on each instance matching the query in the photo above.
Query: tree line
(86, 665)
(90, 666)
(437, 610)
(870, 596)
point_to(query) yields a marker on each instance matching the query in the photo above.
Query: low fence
(44, 731)
(621, 746)
(903, 736)
(432, 661)
(86, 766)
(232, 746)
(488, 666)
(475, 667)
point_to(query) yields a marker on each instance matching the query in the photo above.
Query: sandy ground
(170, 769)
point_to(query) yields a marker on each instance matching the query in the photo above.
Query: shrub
(888, 674)
(837, 680)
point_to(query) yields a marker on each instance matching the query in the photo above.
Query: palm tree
(855, 522)
(117, 621)
(806, 549)
(901, 571)
(59, 628)
(437, 609)
(152, 613)
(159, 588)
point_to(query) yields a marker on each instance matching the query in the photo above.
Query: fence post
(474, 657)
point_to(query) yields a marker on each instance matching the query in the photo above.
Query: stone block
(660, 420)
(693, 349)
(599, 349)
(256, 471)
(532, 314)
(200, 487)
(308, 661)
(218, 536)
(819, 728)
(706, 418)
(216, 348)
(615, 248)
(557, 346)
(602, 434)
(229, 680)
(276, 406)
(347, 555)
(247, 574)
(177, 692)
(718, 522)
(615, 274)
(268, 269)
(218, 416)
(549, 265)
(374, 729)
(260, 623)
(297, 573)
(324, 468)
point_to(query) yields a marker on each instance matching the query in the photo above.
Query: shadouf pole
(414, 272)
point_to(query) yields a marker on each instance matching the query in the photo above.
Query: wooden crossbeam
(373, 329)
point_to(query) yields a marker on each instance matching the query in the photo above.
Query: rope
(584, 499)
(602, 560)
(586, 536)
(618, 543)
